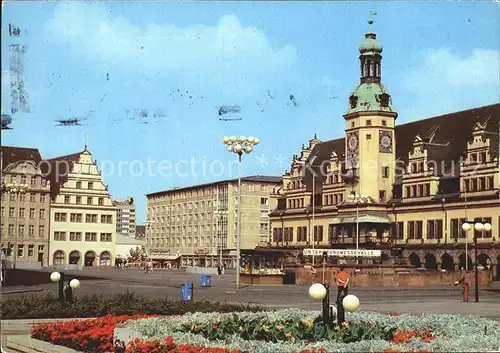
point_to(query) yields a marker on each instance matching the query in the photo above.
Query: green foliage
(269, 330)
(41, 307)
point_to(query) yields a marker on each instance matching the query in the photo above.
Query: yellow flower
(345, 324)
(265, 328)
(307, 322)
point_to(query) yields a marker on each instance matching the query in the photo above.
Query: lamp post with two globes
(479, 227)
(239, 145)
(73, 284)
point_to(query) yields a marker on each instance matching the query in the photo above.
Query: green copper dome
(371, 45)
(370, 97)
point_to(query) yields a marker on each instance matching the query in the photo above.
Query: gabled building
(403, 189)
(82, 216)
(25, 208)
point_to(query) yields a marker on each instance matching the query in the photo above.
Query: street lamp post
(18, 190)
(357, 199)
(239, 146)
(480, 227)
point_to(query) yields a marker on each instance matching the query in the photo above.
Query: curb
(16, 291)
(26, 344)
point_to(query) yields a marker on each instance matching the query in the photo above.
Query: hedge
(47, 307)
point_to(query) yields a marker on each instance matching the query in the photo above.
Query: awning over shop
(362, 219)
(164, 257)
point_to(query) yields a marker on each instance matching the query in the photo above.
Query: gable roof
(446, 138)
(12, 154)
(57, 170)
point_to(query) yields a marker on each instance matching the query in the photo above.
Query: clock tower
(370, 157)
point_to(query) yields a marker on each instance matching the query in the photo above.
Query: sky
(289, 66)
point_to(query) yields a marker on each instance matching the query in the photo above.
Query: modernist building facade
(406, 188)
(25, 215)
(83, 218)
(197, 225)
(125, 216)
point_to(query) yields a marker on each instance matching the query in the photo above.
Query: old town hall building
(403, 189)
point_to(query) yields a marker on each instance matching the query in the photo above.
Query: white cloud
(446, 82)
(220, 53)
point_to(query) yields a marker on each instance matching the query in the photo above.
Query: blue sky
(106, 61)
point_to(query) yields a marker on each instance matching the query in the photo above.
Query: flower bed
(283, 331)
(302, 331)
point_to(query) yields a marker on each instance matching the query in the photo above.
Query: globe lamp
(317, 291)
(74, 283)
(55, 276)
(350, 303)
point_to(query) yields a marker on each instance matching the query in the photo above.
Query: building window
(318, 233)
(264, 227)
(23, 179)
(42, 198)
(21, 213)
(90, 185)
(12, 197)
(483, 157)
(12, 212)
(75, 217)
(490, 183)
(41, 231)
(368, 136)
(11, 229)
(31, 230)
(32, 197)
(101, 201)
(368, 122)
(385, 172)
(263, 201)
(42, 214)
(78, 200)
(89, 200)
(106, 237)
(289, 234)
(421, 190)
(66, 199)
(75, 236)
(21, 230)
(22, 197)
(33, 181)
(91, 218)
(106, 219)
(384, 123)
(31, 250)
(413, 190)
(20, 250)
(90, 236)
(60, 236)
(353, 124)
(78, 184)
(381, 195)
(60, 217)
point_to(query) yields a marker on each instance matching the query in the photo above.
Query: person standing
(342, 282)
(219, 271)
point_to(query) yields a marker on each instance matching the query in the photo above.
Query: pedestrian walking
(219, 271)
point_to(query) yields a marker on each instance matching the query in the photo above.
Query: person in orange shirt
(342, 282)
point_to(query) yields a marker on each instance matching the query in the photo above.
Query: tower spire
(370, 58)
(85, 139)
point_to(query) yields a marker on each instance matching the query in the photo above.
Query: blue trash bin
(186, 292)
(206, 281)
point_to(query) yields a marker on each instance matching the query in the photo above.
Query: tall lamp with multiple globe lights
(479, 227)
(239, 145)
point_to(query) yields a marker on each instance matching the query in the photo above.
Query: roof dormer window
(353, 101)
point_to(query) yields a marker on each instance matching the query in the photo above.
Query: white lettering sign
(343, 252)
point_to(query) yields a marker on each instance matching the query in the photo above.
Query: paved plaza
(443, 299)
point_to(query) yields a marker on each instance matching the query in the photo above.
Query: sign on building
(343, 252)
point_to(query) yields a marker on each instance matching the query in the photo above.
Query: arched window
(58, 258)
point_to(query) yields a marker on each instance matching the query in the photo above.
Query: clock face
(352, 142)
(385, 141)
(352, 160)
